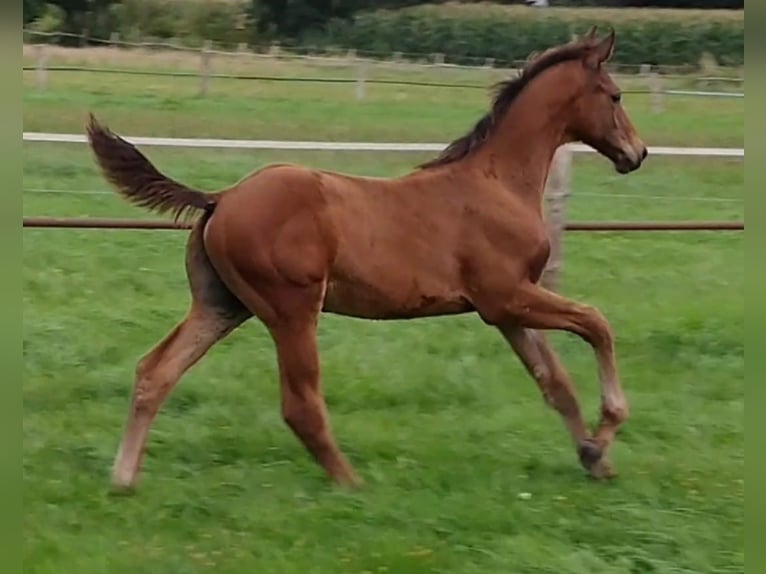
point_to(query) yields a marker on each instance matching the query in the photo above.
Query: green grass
(447, 430)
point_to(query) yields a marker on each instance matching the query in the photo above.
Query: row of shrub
(508, 34)
(464, 33)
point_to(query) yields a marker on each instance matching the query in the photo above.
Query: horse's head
(599, 120)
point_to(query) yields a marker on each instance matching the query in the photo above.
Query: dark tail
(136, 179)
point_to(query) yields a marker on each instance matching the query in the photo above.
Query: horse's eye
(616, 98)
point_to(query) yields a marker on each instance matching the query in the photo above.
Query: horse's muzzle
(629, 162)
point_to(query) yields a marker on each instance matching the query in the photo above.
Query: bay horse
(461, 233)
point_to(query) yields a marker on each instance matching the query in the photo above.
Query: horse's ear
(602, 52)
(591, 35)
(606, 47)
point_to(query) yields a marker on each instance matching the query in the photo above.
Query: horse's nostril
(644, 154)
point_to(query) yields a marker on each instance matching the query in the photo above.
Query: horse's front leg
(555, 385)
(534, 307)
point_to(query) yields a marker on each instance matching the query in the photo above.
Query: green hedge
(189, 22)
(465, 33)
(510, 33)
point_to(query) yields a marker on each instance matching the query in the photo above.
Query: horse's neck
(520, 151)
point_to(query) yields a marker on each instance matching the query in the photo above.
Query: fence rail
(606, 226)
(345, 146)
(336, 80)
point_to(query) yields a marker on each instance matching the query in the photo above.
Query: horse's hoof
(349, 483)
(589, 453)
(592, 459)
(121, 489)
(602, 470)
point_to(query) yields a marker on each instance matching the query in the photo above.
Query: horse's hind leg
(282, 279)
(291, 312)
(214, 313)
(303, 406)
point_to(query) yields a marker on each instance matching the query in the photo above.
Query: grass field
(466, 470)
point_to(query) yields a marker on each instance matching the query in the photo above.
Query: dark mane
(506, 93)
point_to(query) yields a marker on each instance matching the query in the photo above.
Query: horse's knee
(599, 331)
(556, 393)
(541, 373)
(616, 412)
(542, 376)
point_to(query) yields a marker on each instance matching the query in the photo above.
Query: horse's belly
(380, 301)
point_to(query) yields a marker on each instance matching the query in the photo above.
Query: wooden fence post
(655, 87)
(360, 80)
(556, 193)
(205, 68)
(42, 66)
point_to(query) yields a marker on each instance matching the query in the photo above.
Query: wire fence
(324, 53)
(359, 63)
(653, 76)
(309, 79)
